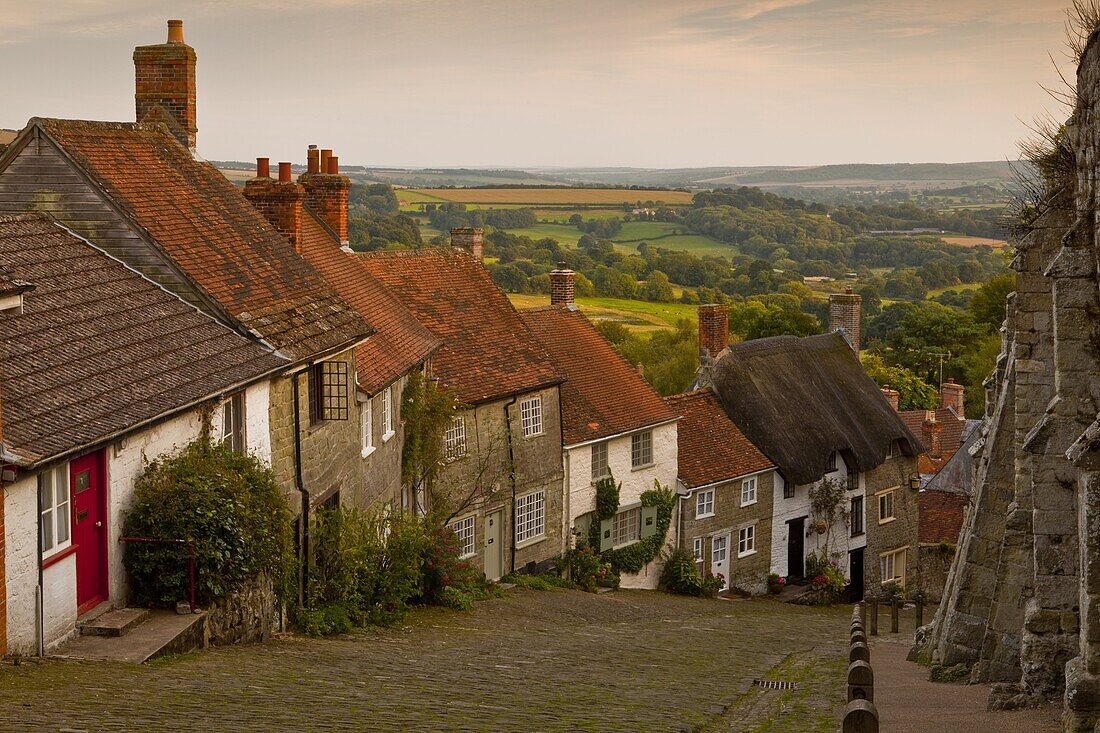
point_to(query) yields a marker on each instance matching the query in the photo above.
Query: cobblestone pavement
(532, 661)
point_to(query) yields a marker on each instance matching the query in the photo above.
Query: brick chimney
(952, 395)
(845, 310)
(164, 91)
(892, 396)
(714, 328)
(562, 285)
(471, 239)
(327, 190)
(930, 434)
(280, 201)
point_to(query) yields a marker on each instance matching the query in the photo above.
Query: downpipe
(300, 485)
(511, 479)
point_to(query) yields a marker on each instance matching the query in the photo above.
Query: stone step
(114, 623)
(162, 633)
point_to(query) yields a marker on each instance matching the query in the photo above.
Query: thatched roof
(800, 399)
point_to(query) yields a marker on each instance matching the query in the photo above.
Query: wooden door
(494, 545)
(720, 558)
(89, 509)
(796, 548)
(855, 570)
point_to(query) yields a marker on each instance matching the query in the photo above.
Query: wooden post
(860, 717)
(874, 618)
(859, 653)
(920, 610)
(895, 606)
(861, 681)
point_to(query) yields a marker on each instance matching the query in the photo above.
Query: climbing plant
(829, 506)
(635, 556)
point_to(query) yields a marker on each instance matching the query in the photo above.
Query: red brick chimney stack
(714, 328)
(953, 395)
(930, 434)
(892, 396)
(471, 239)
(279, 201)
(164, 77)
(845, 315)
(562, 285)
(327, 190)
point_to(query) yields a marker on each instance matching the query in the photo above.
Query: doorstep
(161, 634)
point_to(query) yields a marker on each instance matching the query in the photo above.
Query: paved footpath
(532, 661)
(909, 703)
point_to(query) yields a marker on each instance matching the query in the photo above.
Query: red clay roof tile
(711, 448)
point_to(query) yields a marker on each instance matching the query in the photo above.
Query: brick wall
(281, 204)
(327, 195)
(714, 327)
(164, 76)
(562, 285)
(845, 313)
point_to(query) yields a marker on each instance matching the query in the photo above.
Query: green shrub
(457, 599)
(607, 498)
(230, 506)
(586, 567)
(633, 557)
(542, 581)
(680, 575)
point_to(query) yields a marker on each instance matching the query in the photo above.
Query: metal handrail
(190, 544)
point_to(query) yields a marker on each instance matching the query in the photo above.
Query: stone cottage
(102, 371)
(613, 425)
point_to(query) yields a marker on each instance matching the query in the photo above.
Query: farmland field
(637, 315)
(964, 241)
(550, 196)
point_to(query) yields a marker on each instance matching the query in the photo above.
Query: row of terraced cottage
(140, 290)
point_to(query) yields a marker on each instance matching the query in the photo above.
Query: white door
(719, 558)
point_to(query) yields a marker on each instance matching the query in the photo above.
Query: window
(328, 391)
(53, 494)
(832, 462)
(746, 540)
(626, 526)
(697, 549)
(886, 507)
(454, 440)
(530, 412)
(857, 516)
(892, 567)
(895, 449)
(788, 487)
(599, 462)
(704, 504)
(464, 530)
(530, 517)
(232, 435)
(641, 449)
(718, 549)
(387, 414)
(366, 426)
(748, 491)
(853, 480)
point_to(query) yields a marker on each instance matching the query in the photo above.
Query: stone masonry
(1022, 602)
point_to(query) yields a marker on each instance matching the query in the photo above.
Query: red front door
(86, 481)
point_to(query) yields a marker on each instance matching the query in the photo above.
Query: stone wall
(893, 534)
(244, 616)
(935, 564)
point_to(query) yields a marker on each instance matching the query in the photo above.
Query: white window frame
(465, 530)
(714, 559)
(366, 426)
(232, 428)
(749, 491)
(626, 529)
(56, 498)
(886, 503)
(704, 504)
(601, 449)
(454, 439)
(894, 450)
(387, 414)
(530, 413)
(641, 450)
(888, 567)
(530, 517)
(697, 549)
(746, 540)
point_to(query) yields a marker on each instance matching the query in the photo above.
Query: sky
(580, 83)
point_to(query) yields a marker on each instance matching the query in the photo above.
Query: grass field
(964, 241)
(550, 196)
(637, 315)
(659, 234)
(953, 288)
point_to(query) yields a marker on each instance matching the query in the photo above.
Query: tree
(988, 303)
(657, 288)
(913, 392)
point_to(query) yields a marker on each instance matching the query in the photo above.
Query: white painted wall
(582, 492)
(257, 416)
(799, 506)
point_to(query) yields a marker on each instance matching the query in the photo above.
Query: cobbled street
(532, 661)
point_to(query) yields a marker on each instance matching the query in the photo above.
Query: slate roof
(800, 399)
(711, 448)
(99, 348)
(399, 342)
(602, 395)
(488, 353)
(206, 226)
(941, 515)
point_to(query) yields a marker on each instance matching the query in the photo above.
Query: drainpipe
(511, 478)
(39, 596)
(680, 525)
(300, 485)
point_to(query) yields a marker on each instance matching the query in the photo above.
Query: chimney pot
(175, 31)
(263, 168)
(326, 153)
(313, 159)
(333, 166)
(284, 172)
(954, 396)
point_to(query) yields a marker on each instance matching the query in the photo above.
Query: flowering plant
(776, 583)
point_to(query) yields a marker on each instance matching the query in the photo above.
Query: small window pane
(599, 461)
(531, 416)
(464, 530)
(641, 449)
(530, 516)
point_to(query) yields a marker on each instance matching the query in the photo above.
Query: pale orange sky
(561, 82)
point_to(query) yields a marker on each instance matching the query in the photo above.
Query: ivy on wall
(633, 557)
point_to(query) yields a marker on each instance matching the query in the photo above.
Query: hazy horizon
(564, 84)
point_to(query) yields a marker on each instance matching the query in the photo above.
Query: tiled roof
(488, 353)
(951, 436)
(99, 348)
(207, 227)
(941, 515)
(710, 447)
(399, 342)
(603, 395)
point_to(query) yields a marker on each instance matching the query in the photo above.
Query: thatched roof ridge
(800, 399)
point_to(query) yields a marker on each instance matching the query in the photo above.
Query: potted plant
(776, 583)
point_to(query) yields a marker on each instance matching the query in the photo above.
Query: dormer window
(832, 465)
